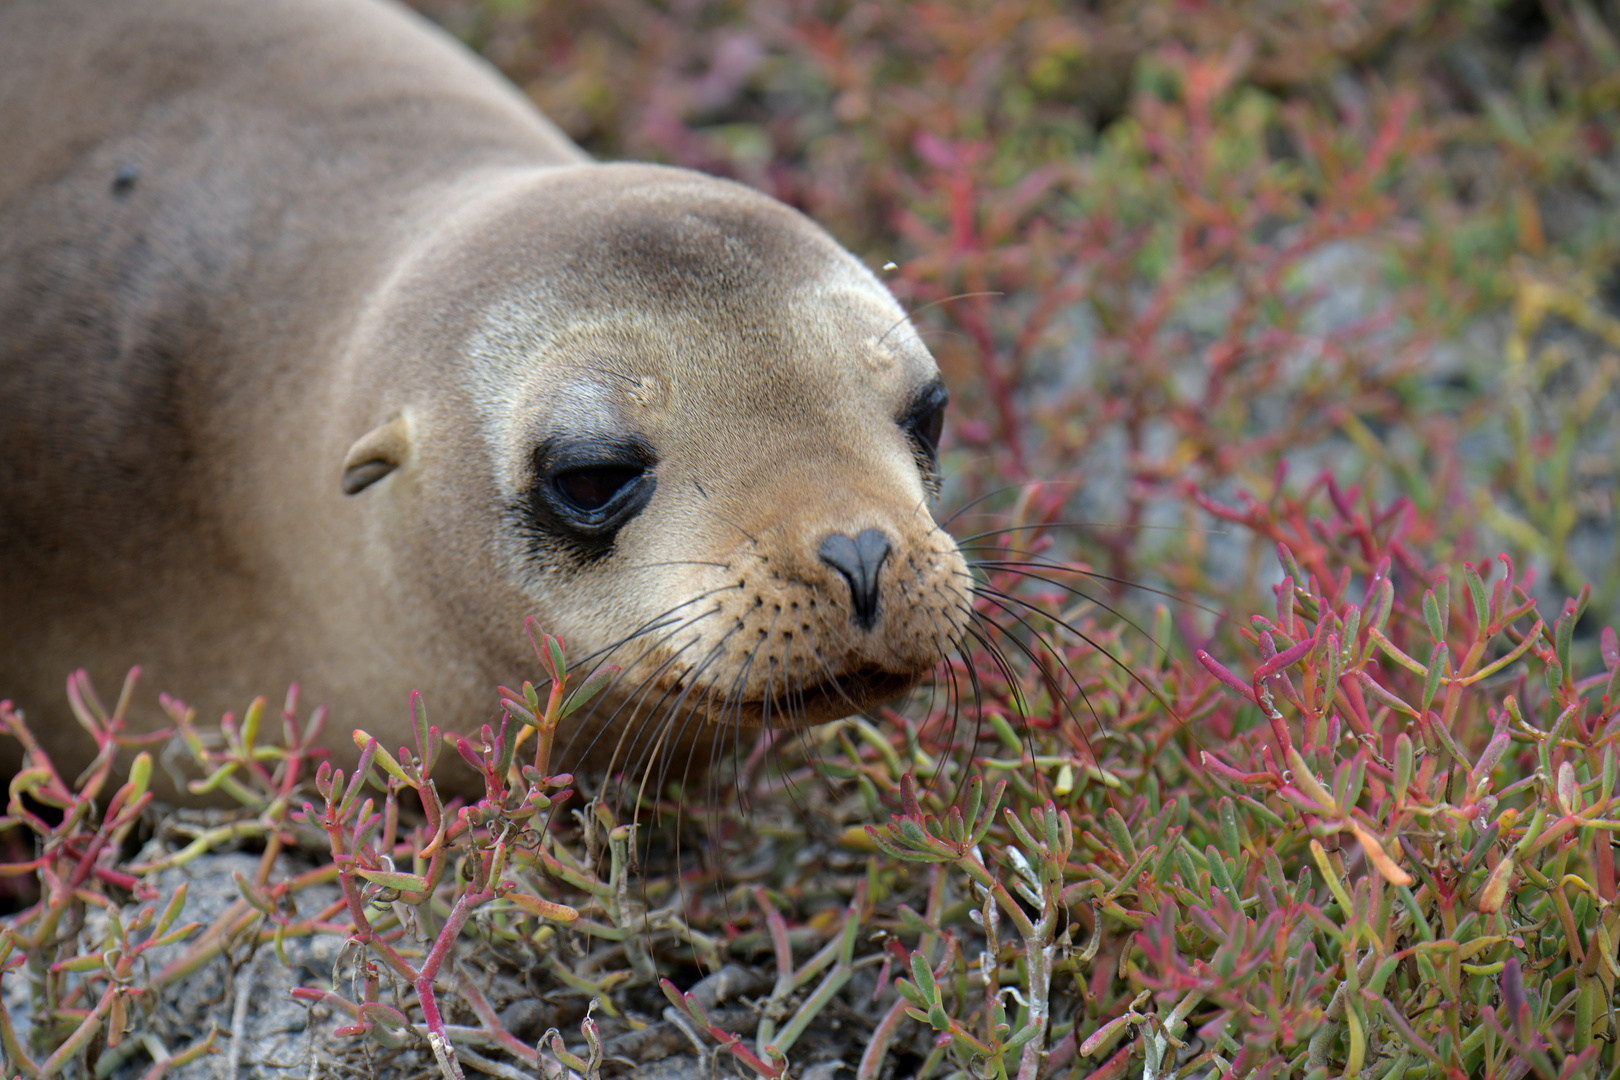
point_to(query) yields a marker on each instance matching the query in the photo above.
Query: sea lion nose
(859, 560)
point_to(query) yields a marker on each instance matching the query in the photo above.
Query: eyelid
(562, 454)
(934, 395)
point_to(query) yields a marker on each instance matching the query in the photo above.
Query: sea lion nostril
(859, 560)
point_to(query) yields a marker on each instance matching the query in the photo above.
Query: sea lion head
(677, 423)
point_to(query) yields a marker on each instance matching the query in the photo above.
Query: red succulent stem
(492, 1022)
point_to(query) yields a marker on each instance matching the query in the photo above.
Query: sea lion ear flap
(376, 454)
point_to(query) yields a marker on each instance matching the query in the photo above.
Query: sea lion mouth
(820, 702)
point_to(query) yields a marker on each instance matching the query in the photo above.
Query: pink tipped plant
(468, 852)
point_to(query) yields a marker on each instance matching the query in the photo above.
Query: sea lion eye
(590, 490)
(930, 427)
(924, 419)
(586, 488)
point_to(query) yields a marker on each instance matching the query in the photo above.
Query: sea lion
(324, 357)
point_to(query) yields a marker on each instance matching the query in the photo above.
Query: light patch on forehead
(850, 286)
(503, 372)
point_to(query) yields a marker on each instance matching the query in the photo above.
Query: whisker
(794, 796)
(633, 702)
(960, 510)
(1005, 667)
(953, 694)
(721, 517)
(1016, 568)
(1002, 600)
(647, 681)
(733, 704)
(665, 716)
(1059, 699)
(932, 304)
(1068, 707)
(592, 660)
(1014, 564)
(1116, 661)
(969, 539)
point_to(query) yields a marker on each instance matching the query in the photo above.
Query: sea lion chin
(323, 357)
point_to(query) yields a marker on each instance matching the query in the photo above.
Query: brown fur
(237, 236)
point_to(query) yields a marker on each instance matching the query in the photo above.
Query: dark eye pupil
(592, 489)
(930, 427)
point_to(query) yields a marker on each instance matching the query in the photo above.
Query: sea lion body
(312, 329)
